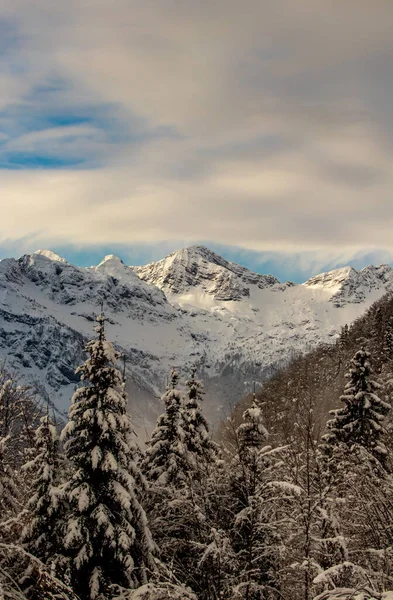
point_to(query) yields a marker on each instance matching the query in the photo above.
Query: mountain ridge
(191, 308)
(189, 266)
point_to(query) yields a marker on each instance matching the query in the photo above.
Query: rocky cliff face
(349, 286)
(198, 266)
(192, 307)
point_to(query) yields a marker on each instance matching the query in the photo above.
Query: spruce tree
(175, 504)
(201, 450)
(251, 433)
(41, 535)
(360, 420)
(357, 485)
(165, 461)
(107, 539)
(253, 532)
(344, 338)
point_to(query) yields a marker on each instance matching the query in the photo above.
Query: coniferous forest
(293, 499)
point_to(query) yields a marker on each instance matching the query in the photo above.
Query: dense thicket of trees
(295, 501)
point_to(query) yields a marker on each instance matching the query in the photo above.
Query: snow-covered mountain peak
(197, 253)
(198, 269)
(383, 272)
(332, 280)
(112, 258)
(347, 285)
(111, 265)
(50, 255)
(191, 308)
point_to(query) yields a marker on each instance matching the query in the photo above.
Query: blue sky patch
(24, 160)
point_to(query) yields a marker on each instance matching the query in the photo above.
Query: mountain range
(190, 308)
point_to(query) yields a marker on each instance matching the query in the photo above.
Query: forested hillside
(317, 378)
(294, 504)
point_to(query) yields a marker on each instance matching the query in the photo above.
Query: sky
(261, 129)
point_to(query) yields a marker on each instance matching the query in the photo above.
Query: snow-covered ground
(192, 307)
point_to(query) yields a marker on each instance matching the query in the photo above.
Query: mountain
(350, 286)
(319, 376)
(198, 266)
(192, 307)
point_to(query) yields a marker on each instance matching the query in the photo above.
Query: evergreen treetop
(202, 451)
(165, 462)
(106, 535)
(252, 432)
(360, 420)
(253, 530)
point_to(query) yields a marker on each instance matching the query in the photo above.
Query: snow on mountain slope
(348, 285)
(51, 255)
(192, 307)
(199, 266)
(47, 313)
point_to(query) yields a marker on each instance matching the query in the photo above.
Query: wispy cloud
(265, 125)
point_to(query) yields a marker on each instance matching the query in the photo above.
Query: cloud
(265, 125)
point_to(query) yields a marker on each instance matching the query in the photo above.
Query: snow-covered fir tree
(164, 465)
(178, 463)
(253, 532)
(201, 450)
(41, 535)
(344, 338)
(360, 420)
(357, 508)
(107, 538)
(165, 461)
(251, 433)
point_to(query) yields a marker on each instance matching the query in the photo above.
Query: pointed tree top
(252, 432)
(174, 378)
(100, 328)
(195, 387)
